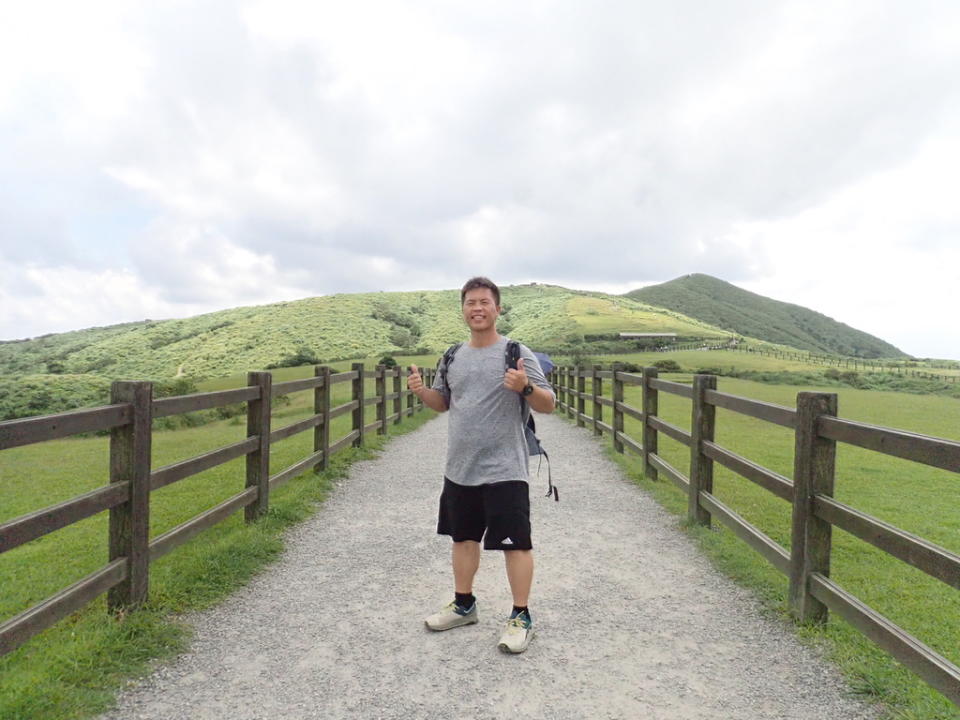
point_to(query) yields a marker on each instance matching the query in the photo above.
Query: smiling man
(485, 494)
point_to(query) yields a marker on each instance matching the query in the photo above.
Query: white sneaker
(452, 616)
(517, 634)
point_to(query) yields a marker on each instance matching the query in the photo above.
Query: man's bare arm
(433, 399)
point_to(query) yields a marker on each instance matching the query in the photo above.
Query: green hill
(726, 306)
(334, 327)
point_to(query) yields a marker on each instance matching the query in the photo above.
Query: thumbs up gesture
(516, 380)
(414, 380)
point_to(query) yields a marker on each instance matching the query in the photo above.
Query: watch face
(528, 389)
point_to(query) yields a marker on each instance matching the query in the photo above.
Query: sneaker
(452, 616)
(517, 634)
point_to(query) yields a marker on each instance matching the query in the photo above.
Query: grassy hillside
(324, 329)
(726, 306)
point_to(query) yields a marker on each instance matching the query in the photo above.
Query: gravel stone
(632, 621)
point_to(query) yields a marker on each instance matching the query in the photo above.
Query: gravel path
(632, 621)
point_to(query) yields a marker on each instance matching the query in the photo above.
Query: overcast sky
(163, 159)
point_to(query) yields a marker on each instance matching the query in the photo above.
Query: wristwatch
(528, 389)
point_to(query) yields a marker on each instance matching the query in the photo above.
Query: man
(485, 493)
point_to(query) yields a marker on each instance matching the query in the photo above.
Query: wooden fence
(129, 418)
(817, 431)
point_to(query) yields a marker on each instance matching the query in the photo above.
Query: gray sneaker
(517, 634)
(452, 616)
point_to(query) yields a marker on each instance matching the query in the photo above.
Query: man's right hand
(414, 381)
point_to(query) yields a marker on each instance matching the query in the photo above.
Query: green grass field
(916, 498)
(72, 669)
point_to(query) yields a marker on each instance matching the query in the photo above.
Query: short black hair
(480, 282)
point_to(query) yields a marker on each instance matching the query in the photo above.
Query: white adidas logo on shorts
(506, 541)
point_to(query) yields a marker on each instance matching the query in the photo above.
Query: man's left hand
(516, 380)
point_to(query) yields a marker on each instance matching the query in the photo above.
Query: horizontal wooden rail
(630, 378)
(669, 430)
(203, 401)
(767, 479)
(674, 388)
(343, 377)
(911, 549)
(393, 418)
(605, 374)
(777, 414)
(370, 427)
(629, 410)
(372, 400)
(163, 544)
(630, 443)
(750, 534)
(678, 478)
(37, 524)
(935, 669)
(344, 442)
(606, 402)
(343, 409)
(292, 386)
(936, 452)
(17, 630)
(296, 469)
(14, 433)
(295, 428)
(604, 427)
(168, 474)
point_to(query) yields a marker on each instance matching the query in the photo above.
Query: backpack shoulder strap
(445, 361)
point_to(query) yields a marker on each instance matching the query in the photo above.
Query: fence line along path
(632, 621)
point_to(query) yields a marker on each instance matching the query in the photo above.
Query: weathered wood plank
(677, 477)
(596, 392)
(373, 400)
(300, 426)
(357, 390)
(777, 484)
(651, 403)
(26, 431)
(669, 430)
(168, 474)
(630, 443)
(616, 403)
(933, 668)
(203, 401)
(292, 386)
(630, 410)
(258, 461)
(702, 423)
(605, 428)
(343, 442)
(130, 453)
(774, 553)
(371, 427)
(20, 628)
(343, 409)
(25, 528)
(321, 407)
(177, 536)
(814, 460)
(912, 549)
(937, 452)
(674, 388)
(606, 402)
(348, 376)
(297, 468)
(777, 414)
(605, 374)
(631, 378)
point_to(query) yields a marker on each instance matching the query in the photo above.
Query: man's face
(480, 310)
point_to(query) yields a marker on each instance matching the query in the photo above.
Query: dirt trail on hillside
(632, 621)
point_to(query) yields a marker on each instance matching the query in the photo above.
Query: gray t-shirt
(486, 442)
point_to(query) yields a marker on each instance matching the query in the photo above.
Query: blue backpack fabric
(534, 447)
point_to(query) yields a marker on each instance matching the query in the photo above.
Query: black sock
(517, 610)
(465, 600)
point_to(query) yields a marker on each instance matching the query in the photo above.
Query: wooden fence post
(572, 372)
(814, 461)
(651, 405)
(357, 397)
(258, 462)
(411, 400)
(381, 390)
(597, 394)
(580, 395)
(130, 457)
(702, 422)
(398, 395)
(321, 406)
(617, 410)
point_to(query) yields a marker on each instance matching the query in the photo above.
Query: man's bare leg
(466, 561)
(520, 574)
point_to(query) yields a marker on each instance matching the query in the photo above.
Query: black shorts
(498, 514)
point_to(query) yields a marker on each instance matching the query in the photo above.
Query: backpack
(511, 356)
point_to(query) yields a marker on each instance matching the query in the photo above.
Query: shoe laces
(520, 622)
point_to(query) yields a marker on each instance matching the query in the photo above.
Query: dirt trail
(632, 622)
